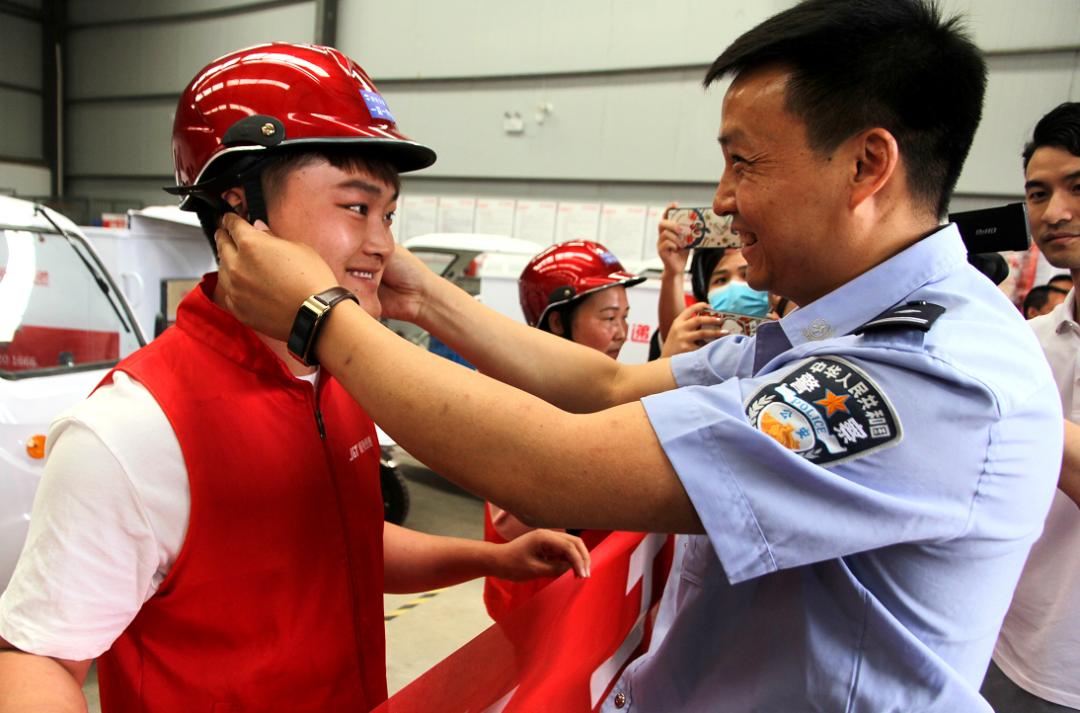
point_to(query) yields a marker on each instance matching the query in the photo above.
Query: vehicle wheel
(395, 494)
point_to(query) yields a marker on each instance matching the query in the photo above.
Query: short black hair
(1059, 128)
(859, 64)
(1059, 278)
(1036, 298)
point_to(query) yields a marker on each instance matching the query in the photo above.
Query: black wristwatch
(309, 318)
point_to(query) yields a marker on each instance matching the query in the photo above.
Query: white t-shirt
(109, 519)
(1039, 644)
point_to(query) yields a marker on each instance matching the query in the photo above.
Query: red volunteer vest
(501, 596)
(275, 602)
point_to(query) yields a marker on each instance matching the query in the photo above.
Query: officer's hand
(542, 553)
(669, 244)
(692, 330)
(263, 279)
(403, 288)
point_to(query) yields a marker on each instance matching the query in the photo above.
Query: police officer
(866, 477)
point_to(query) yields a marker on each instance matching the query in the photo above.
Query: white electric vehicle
(63, 324)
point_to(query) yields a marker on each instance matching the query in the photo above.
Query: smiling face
(1052, 193)
(345, 214)
(599, 321)
(784, 197)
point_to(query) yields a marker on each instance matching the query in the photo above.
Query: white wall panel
(20, 120)
(20, 51)
(588, 191)
(650, 127)
(451, 68)
(120, 138)
(1008, 25)
(479, 38)
(24, 180)
(81, 11)
(1020, 90)
(131, 60)
(467, 38)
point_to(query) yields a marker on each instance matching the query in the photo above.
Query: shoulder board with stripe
(912, 315)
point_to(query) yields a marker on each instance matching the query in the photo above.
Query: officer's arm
(39, 683)
(264, 281)
(1069, 481)
(603, 470)
(561, 372)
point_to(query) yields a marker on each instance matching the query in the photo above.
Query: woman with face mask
(728, 290)
(576, 290)
(684, 325)
(718, 282)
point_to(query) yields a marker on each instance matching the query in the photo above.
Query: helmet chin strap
(256, 201)
(246, 174)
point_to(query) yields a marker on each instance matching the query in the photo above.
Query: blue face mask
(740, 298)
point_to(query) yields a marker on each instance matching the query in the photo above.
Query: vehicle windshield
(57, 311)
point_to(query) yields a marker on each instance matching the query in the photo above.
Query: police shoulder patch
(826, 410)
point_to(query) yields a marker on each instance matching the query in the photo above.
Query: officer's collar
(858, 301)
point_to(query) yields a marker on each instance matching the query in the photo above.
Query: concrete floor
(420, 636)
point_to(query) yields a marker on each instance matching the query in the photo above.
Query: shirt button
(620, 699)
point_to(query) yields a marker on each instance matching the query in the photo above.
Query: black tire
(395, 494)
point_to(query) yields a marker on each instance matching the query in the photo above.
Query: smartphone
(736, 323)
(707, 229)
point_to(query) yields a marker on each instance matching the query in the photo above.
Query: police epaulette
(912, 315)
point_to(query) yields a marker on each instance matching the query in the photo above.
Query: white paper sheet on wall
(419, 215)
(577, 221)
(652, 231)
(456, 214)
(622, 228)
(535, 221)
(495, 216)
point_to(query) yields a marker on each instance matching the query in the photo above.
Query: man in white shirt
(1035, 661)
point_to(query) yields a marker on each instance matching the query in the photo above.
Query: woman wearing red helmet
(577, 290)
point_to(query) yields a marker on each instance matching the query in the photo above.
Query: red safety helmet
(250, 102)
(566, 273)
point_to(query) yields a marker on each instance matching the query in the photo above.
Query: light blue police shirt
(868, 500)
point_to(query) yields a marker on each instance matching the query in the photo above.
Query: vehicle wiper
(102, 281)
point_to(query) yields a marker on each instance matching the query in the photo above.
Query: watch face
(302, 336)
(305, 329)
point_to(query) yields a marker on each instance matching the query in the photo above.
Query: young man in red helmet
(209, 525)
(577, 290)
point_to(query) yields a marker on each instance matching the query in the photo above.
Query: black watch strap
(309, 319)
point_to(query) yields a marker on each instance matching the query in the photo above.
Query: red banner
(560, 651)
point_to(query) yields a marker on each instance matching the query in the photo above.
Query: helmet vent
(257, 129)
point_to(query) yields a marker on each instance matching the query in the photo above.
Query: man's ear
(876, 160)
(237, 198)
(555, 324)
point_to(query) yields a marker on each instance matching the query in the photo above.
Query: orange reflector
(35, 446)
